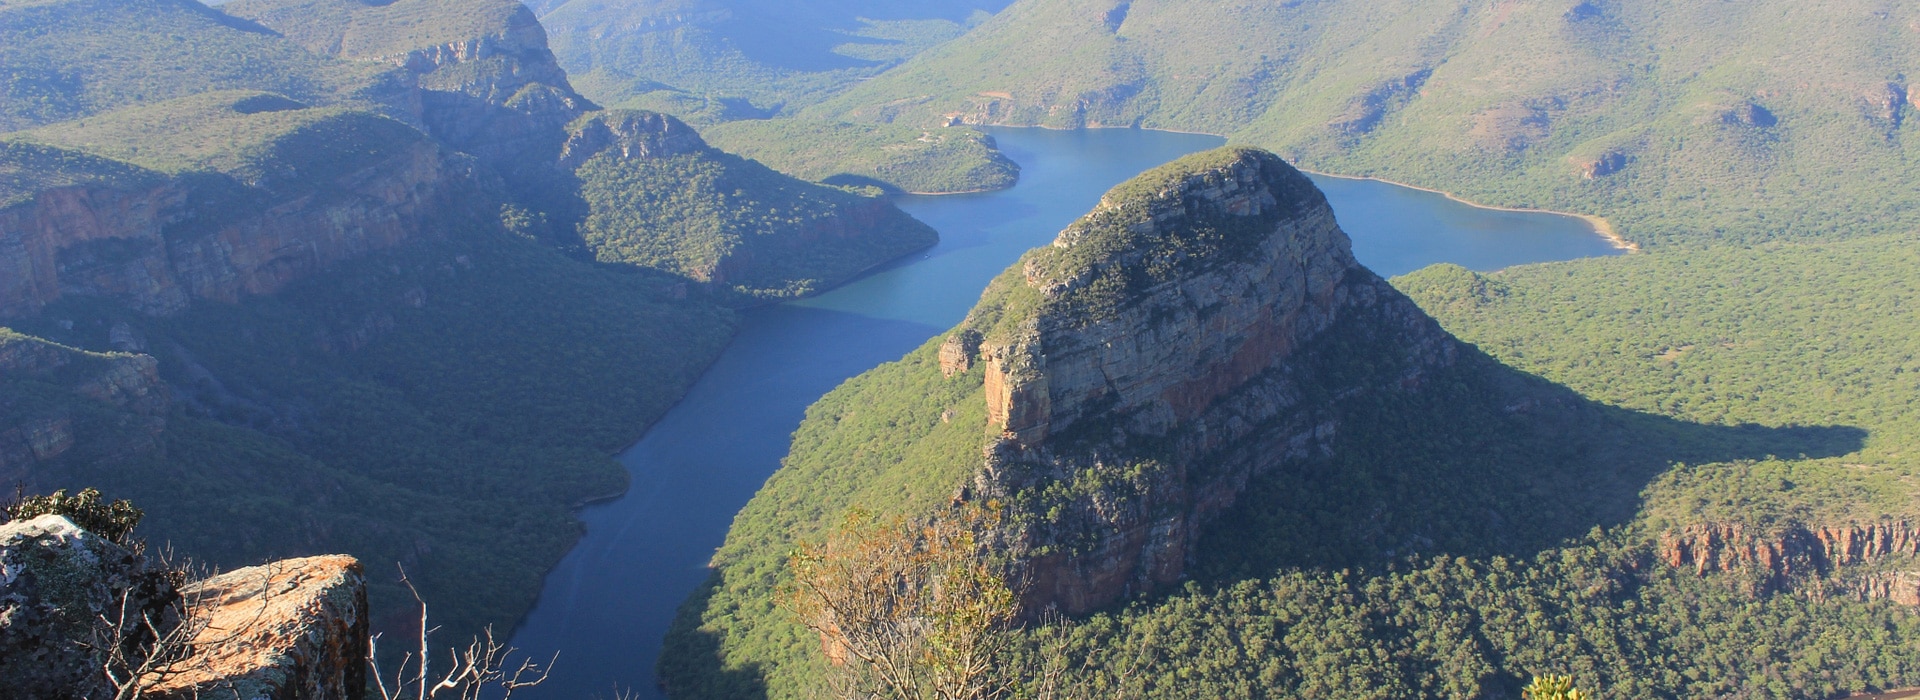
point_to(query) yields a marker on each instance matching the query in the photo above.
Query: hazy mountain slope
(712, 60)
(488, 84)
(1681, 121)
(64, 59)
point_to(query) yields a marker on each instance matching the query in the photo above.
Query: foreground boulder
(290, 629)
(60, 588)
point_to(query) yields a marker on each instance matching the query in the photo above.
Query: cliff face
(1780, 558)
(156, 248)
(1166, 349)
(631, 134)
(34, 433)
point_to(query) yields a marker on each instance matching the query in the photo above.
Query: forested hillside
(1678, 121)
(893, 157)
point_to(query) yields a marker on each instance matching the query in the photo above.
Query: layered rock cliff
(1864, 555)
(1167, 348)
(157, 243)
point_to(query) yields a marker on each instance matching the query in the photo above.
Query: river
(608, 604)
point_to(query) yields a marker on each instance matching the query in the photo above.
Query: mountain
(1769, 120)
(715, 60)
(660, 198)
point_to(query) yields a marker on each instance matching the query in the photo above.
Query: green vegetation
(1461, 628)
(27, 169)
(893, 158)
(65, 59)
(716, 60)
(732, 222)
(1777, 334)
(259, 138)
(111, 520)
(1771, 120)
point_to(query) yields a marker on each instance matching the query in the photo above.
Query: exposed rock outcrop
(290, 630)
(129, 385)
(1794, 552)
(158, 247)
(634, 134)
(1162, 352)
(57, 585)
(1602, 165)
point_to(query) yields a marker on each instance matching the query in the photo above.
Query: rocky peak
(1235, 249)
(1167, 348)
(634, 134)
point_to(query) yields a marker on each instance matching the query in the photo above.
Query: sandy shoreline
(1600, 225)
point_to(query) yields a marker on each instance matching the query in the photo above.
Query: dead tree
(470, 673)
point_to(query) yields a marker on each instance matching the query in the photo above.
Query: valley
(640, 331)
(709, 454)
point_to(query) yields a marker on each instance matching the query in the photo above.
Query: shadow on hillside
(1483, 460)
(691, 662)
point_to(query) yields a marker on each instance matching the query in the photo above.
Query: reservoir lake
(607, 605)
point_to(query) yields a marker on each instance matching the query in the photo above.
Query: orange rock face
(957, 354)
(291, 629)
(1800, 552)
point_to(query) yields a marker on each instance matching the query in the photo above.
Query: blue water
(608, 604)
